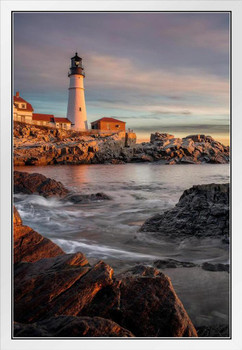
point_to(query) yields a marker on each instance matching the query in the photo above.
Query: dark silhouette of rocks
(215, 331)
(141, 301)
(38, 183)
(215, 267)
(36, 145)
(71, 326)
(86, 198)
(202, 211)
(171, 263)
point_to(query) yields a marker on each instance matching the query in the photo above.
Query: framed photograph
(119, 166)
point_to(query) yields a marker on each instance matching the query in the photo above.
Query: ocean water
(109, 230)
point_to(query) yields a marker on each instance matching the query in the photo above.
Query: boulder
(29, 245)
(143, 300)
(215, 267)
(86, 198)
(71, 326)
(49, 283)
(202, 211)
(37, 183)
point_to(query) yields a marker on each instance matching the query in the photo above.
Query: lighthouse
(76, 111)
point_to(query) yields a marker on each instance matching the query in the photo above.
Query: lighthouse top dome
(76, 66)
(76, 57)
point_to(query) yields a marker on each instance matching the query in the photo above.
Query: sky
(165, 72)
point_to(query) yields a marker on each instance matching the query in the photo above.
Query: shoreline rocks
(202, 211)
(35, 145)
(34, 183)
(38, 183)
(139, 302)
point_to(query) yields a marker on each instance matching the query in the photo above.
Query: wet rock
(17, 221)
(171, 263)
(143, 300)
(37, 183)
(213, 331)
(202, 211)
(71, 326)
(86, 198)
(215, 267)
(29, 245)
(56, 289)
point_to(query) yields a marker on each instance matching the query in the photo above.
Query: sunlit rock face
(29, 245)
(38, 183)
(202, 211)
(35, 145)
(60, 294)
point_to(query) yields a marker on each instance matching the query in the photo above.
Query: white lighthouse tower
(76, 111)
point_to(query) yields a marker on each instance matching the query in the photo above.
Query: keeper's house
(108, 124)
(23, 112)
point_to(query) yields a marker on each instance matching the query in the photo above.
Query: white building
(76, 111)
(23, 112)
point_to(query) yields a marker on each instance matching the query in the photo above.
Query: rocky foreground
(34, 183)
(58, 294)
(38, 145)
(202, 211)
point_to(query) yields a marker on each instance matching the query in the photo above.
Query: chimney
(17, 94)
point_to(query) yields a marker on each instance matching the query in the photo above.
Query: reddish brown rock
(37, 183)
(29, 245)
(54, 287)
(16, 217)
(141, 300)
(71, 326)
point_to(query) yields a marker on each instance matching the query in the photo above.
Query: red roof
(61, 120)
(43, 117)
(18, 99)
(105, 119)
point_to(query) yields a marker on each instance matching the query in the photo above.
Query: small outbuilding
(108, 124)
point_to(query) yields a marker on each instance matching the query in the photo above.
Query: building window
(80, 109)
(117, 126)
(23, 105)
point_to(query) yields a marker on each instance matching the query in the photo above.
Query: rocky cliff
(35, 145)
(58, 294)
(39, 145)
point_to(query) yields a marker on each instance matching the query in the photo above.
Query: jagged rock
(37, 183)
(17, 221)
(142, 300)
(29, 245)
(202, 211)
(36, 145)
(171, 263)
(160, 137)
(215, 267)
(71, 326)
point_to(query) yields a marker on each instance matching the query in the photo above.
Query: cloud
(122, 73)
